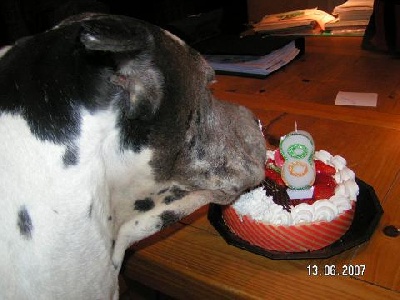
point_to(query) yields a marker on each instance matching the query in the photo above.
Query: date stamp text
(333, 270)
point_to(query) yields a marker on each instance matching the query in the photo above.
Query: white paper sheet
(356, 99)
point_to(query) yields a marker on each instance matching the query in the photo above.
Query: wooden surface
(191, 260)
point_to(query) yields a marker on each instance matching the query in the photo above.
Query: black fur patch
(144, 205)
(163, 191)
(90, 210)
(49, 78)
(176, 194)
(222, 169)
(189, 120)
(192, 143)
(71, 156)
(25, 223)
(168, 217)
(201, 153)
(134, 133)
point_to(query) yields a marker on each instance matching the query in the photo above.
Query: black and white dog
(108, 133)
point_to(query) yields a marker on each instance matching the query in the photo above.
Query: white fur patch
(4, 50)
(68, 254)
(175, 38)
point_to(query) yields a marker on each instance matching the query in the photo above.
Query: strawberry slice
(322, 191)
(324, 179)
(322, 168)
(269, 162)
(279, 159)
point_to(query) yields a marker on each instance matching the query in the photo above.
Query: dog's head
(159, 88)
(130, 105)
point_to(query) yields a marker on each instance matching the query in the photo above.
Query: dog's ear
(130, 44)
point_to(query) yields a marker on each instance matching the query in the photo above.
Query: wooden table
(191, 260)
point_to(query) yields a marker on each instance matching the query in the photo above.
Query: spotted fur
(109, 133)
(25, 223)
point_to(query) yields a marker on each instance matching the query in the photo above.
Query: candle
(298, 170)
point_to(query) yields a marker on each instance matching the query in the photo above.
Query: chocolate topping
(278, 193)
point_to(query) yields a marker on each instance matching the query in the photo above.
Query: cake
(296, 215)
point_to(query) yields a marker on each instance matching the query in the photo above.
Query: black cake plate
(366, 218)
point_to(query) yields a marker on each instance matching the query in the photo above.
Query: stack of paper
(354, 10)
(252, 64)
(352, 17)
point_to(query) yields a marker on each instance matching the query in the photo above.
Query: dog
(109, 133)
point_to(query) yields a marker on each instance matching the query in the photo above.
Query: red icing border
(293, 238)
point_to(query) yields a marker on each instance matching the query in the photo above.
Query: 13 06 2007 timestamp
(333, 270)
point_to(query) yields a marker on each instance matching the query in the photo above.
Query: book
(306, 21)
(347, 27)
(254, 55)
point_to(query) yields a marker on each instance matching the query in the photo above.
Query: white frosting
(322, 155)
(324, 210)
(302, 213)
(260, 207)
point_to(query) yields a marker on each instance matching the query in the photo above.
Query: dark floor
(135, 291)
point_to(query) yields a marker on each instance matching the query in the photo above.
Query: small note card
(356, 99)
